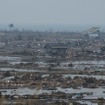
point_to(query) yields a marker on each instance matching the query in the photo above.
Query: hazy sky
(57, 12)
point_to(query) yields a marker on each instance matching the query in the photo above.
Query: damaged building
(92, 33)
(59, 49)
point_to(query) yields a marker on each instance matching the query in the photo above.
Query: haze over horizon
(52, 12)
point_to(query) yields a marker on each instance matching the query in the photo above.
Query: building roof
(91, 30)
(56, 45)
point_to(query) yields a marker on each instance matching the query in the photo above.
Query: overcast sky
(57, 12)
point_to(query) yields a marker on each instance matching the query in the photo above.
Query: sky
(52, 12)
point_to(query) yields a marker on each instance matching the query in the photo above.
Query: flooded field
(10, 59)
(95, 93)
(51, 78)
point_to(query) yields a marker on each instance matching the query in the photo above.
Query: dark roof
(56, 45)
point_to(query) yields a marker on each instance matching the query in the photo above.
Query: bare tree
(11, 26)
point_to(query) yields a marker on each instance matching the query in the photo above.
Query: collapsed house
(56, 49)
